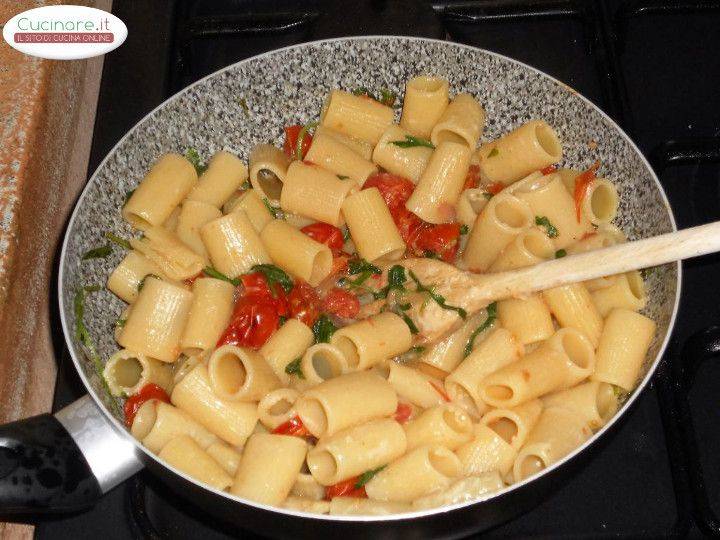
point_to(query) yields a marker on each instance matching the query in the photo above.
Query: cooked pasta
(280, 340)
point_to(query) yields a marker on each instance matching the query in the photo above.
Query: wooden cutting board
(47, 113)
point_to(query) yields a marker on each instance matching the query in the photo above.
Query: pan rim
(146, 454)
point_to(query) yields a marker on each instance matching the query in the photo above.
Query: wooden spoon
(473, 292)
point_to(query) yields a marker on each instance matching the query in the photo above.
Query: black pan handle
(63, 463)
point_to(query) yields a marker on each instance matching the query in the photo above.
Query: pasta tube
(626, 291)
(444, 425)
(268, 168)
(371, 340)
(127, 372)
(426, 98)
(126, 277)
(238, 374)
(167, 252)
(223, 176)
(289, 342)
(192, 216)
(210, 312)
(358, 117)
(527, 319)
(462, 122)
(333, 155)
(184, 454)
(594, 401)
(157, 423)
(406, 162)
(277, 407)
(468, 489)
(573, 307)
(254, 207)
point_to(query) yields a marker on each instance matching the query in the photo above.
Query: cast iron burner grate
(650, 64)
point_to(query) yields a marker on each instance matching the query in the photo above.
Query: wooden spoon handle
(603, 262)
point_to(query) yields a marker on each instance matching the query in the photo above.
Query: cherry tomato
(407, 223)
(346, 488)
(396, 190)
(472, 180)
(146, 393)
(549, 169)
(441, 239)
(341, 303)
(253, 321)
(326, 234)
(495, 187)
(291, 139)
(256, 284)
(340, 263)
(304, 303)
(582, 183)
(403, 413)
(294, 426)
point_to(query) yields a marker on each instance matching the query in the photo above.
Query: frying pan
(67, 461)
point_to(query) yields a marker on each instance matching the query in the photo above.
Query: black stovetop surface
(652, 65)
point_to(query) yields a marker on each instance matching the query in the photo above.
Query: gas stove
(652, 65)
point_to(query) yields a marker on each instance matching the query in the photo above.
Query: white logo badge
(65, 32)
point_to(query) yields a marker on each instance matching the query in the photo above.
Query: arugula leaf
(550, 229)
(323, 329)
(431, 255)
(245, 185)
(560, 253)
(211, 272)
(273, 274)
(342, 176)
(98, 253)
(193, 157)
(275, 212)
(405, 317)
(119, 240)
(365, 477)
(142, 281)
(362, 91)
(358, 266)
(412, 142)
(294, 368)
(128, 195)
(487, 323)
(464, 229)
(387, 97)
(120, 323)
(418, 349)
(83, 336)
(301, 138)
(396, 281)
(243, 104)
(345, 233)
(488, 195)
(494, 152)
(439, 299)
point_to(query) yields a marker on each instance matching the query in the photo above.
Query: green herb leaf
(119, 240)
(127, 196)
(487, 323)
(396, 277)
(142, 281)
(387, 97)
(439, 299)
(193, 157)
(293, 368)
(120, 323)
(488, 195)
(83, 336)
(323, 329)
(342, 176)
(365, 477)
(282, 320)
(243, 104)
(345, 233)
(494, 152)
(362, 91)
(405, 317)
(211, 272)
(275, 212)
(301, 138)
(560, 253)
(358, 266)
(431, 255)
(550, 229)
(412, 142)
(273, 274)
(464, 229)
(619, 391)
(98, 253)
(245, 185)
(418, 349)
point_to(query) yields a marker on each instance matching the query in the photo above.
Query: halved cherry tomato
(294, 426)
(291, 140)
(146, 393)
(403, 413)
(495, 187)
(582, 183)
(472, 180)
(549, 169)
(256, 284)
(396, 190)
(341, 303)
(346, 488)
(304, 303)
(253, 321)
(326, 234)
(440, 390)
(441, 239)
